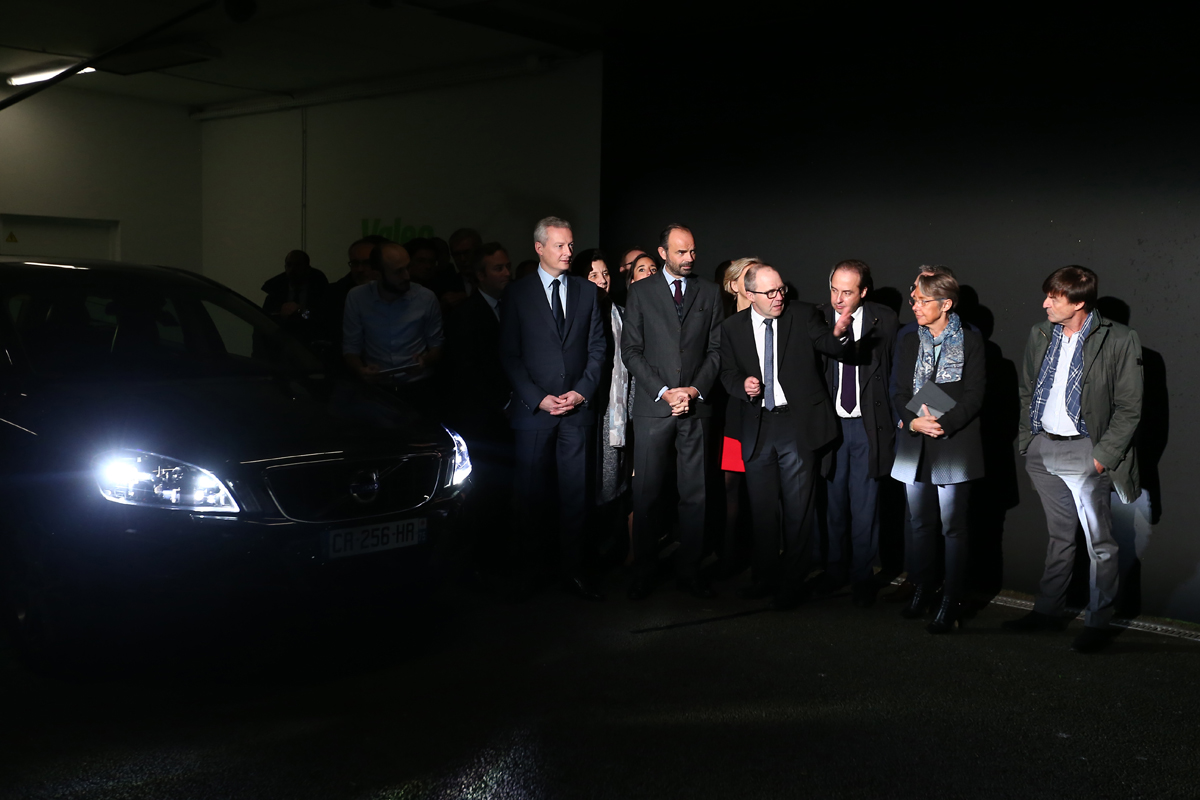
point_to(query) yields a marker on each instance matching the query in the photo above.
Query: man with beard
(670, 343)
(392, 329)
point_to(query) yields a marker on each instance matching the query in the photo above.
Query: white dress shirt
(1055, 418)
(857, 325)
(760, 343)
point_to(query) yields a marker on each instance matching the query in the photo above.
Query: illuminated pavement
(557, 698)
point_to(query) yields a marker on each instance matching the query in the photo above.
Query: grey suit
(661, 350)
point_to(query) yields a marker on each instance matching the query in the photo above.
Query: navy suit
(552, 450)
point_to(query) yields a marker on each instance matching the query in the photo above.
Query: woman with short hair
(940, 384)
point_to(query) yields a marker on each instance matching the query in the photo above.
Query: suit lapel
(783, 333)
(689, 295)
(870, 322)
(749, 348)
(574, 294)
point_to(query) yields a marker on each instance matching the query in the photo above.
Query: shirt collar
(671, 279)
(759, 318)
(547, 278)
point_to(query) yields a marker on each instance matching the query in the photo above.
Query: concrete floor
(558, 698)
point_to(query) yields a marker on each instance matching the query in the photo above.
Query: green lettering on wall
(395, 232)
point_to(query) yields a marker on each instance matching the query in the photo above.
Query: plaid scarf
(1074, 390)
(949, 366)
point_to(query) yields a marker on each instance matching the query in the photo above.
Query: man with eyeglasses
(863, 456)
(769, 364)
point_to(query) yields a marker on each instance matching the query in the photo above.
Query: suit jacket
(957, 456)
(801, 337)
(475, 374)
(872, 354)
(538, 362)
(659, 350)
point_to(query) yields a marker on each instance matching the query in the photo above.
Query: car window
(97, 325)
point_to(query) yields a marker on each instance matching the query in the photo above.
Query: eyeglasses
(912, 301)
(771, 295)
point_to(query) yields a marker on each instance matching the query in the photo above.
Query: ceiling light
(38, 77)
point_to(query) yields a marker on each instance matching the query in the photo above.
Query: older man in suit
(552, 347)
(769, 364)
(859, 386)
(670, 343)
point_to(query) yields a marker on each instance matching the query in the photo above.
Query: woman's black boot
(949, 616)
(922, 601)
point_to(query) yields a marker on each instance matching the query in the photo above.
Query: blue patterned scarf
(1074, 389)
(949, 364)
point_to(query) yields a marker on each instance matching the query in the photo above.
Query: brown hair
(1077, 284)
(854, 265)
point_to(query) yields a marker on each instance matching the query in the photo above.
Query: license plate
(375, 538)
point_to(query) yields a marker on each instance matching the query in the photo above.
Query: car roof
(90, 264)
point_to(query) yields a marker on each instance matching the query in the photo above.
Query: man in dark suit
(863, 456)
(670, 342)
(769, 363)
(552, 347)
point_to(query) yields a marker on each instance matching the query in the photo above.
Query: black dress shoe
(949, 617)
(922, 603)
(1092, 640)
(582, 587)
(864, 593)
(640, 590)
(696, 587)
(1033, 622)
(756, 591)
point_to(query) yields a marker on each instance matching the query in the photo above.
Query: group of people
(583, 408)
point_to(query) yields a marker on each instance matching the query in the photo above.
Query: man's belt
(1054, 437)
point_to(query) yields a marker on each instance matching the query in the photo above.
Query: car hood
(216, 421)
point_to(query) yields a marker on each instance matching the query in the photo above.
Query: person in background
(297, 298)
(392, 330)
(612, 400)
(360, 273)
(732, 466)
(939, 451)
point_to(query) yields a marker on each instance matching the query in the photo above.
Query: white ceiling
(288, 47)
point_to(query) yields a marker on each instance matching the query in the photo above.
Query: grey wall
(69, 153)
(495, 156)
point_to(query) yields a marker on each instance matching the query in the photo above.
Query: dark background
(1003, 149)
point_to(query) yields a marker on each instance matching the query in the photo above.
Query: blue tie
(556, 306)
(769, 366)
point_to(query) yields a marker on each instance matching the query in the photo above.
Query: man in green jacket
(1081, 401)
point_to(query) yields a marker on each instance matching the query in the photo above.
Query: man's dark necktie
(556, 305)
(769, 366)
(849, 393)
(679, 298)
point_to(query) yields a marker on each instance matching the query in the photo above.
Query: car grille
(330, 491)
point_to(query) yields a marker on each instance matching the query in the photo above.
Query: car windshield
(101, 323)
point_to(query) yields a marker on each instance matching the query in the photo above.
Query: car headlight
(462, 459)
(138, 478)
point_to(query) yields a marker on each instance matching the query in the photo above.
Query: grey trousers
(1074, 494)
